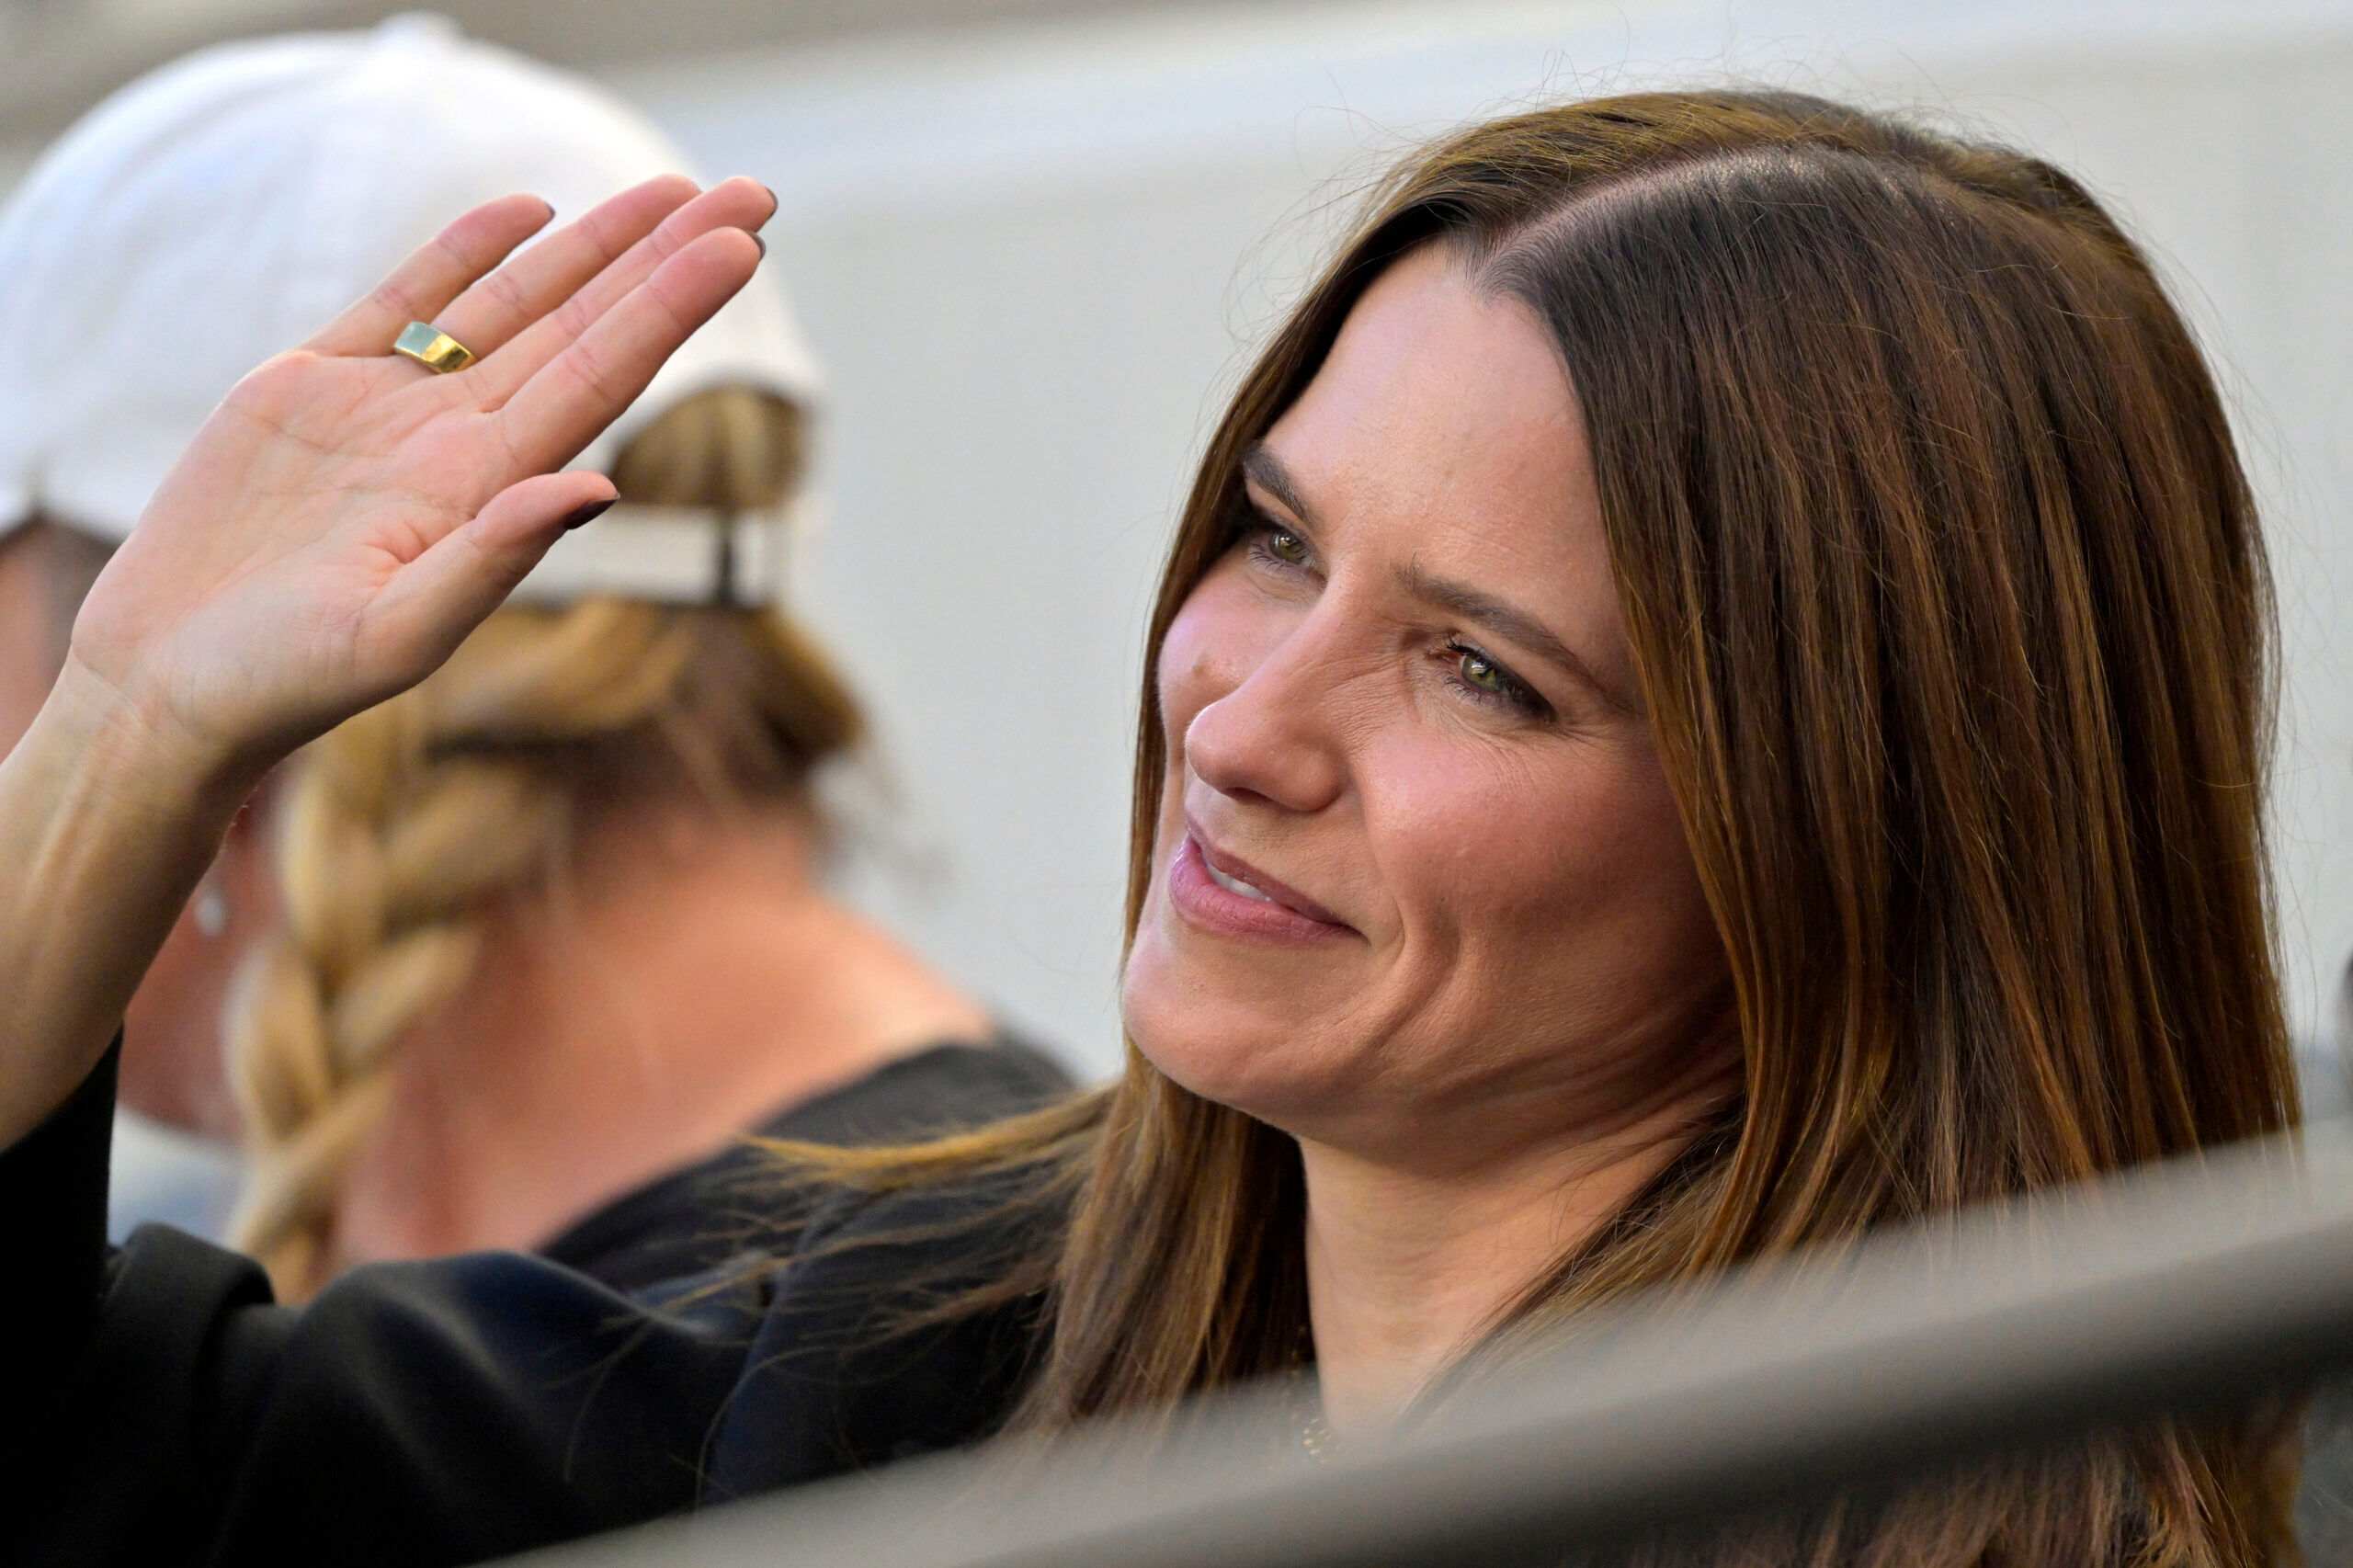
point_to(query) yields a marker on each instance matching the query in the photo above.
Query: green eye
(1287, 546)
(1480, 674)
(1486, 682)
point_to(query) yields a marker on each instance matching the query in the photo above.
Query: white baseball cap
(224, 208)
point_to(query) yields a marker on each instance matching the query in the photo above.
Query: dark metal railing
(2189, 1285)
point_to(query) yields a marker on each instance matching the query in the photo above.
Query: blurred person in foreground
(524, 950)
(1708, 697)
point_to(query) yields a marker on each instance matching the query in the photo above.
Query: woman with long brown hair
(1710, 695)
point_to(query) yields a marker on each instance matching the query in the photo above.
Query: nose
(1270, 738)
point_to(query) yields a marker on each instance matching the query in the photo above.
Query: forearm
(108, 821)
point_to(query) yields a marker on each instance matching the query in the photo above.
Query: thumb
(433, 603)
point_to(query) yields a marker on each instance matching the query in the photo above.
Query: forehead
(1425, 342)
(1442, 429)
(1441, 397)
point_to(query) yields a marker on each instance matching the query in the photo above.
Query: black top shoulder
(160, 1408)
(731, 1205)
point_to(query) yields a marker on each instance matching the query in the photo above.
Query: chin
(1235, 1050)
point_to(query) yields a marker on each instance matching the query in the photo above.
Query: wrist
(109, 746)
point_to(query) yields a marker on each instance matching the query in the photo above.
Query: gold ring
(432, 347)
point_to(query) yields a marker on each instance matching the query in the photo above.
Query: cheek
(1572, 864)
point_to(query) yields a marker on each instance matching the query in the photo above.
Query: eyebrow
(1263, 469)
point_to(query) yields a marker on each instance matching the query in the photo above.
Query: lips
(1231, 884)
(1221, 892)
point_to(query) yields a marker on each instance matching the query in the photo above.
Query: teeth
(1234, 884)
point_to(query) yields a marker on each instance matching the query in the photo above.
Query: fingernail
(588, 513)
(773, 202)
(763, 244)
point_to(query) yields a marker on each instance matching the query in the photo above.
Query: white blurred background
(1034, 241)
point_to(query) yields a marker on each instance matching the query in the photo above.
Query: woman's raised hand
(348, 516)
(334, 531)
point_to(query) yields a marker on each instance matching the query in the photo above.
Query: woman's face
(1419, 888)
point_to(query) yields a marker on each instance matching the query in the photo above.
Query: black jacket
(159, 1409)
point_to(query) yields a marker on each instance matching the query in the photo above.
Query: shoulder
(737, 1202)
(941, 1089)
(908, 1323)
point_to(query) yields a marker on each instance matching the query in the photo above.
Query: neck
(693, 983)
(1409, 1266)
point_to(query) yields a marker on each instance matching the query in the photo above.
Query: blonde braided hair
(397, 831)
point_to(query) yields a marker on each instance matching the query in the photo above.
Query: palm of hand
(262, 592)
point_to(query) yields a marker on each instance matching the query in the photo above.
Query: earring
(211, 909)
